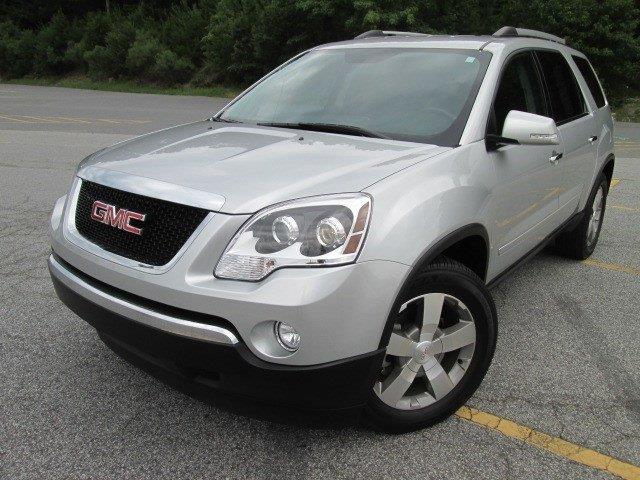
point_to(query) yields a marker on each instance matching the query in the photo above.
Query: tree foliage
(237, 41)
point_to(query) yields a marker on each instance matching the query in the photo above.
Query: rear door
(601, 113)
(576, 125)
(525, 200)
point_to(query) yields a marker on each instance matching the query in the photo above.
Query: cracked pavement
(566, 362)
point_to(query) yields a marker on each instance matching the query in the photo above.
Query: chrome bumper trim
(137, 313)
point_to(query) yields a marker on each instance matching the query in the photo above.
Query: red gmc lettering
(119, 218)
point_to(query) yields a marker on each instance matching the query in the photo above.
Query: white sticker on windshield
(470, 59)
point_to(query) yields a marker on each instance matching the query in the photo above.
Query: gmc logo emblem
(119, 218)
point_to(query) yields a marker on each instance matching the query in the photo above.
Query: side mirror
(522, 128)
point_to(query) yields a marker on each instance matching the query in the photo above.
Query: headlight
(311, 232)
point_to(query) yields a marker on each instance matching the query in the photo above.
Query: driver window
(520, 89)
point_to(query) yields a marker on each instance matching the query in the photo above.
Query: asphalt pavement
(567, 361)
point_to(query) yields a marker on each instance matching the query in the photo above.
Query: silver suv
(329, 238)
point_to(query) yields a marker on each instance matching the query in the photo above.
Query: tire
(453, 295)
(580, 242)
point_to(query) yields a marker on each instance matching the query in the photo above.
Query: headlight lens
(315, 231)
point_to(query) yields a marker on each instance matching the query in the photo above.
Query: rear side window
(592, 81)
(567, 102)
(520, 89)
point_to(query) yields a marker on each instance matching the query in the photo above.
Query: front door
(525, 202)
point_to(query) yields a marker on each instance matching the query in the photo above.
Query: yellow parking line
(61, 119)
(555, 445)
(626, 209)
(107, 120)
(39, 119)
(614, 182)
(612, 266)
(123, 120)
(71, 119)
(17, 120)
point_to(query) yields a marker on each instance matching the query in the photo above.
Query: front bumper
(340, 312)
(207, 349)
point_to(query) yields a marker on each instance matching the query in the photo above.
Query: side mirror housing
(522, 128)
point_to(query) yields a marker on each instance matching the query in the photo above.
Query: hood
(243, 168)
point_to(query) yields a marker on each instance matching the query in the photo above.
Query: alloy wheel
(596, 216)
(430, 349)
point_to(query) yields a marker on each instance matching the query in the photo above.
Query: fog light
(287, 336)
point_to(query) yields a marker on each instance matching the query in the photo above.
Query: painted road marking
(555, 445)
(624, 208)
(40, 119)
(612, 266)
(15, 120)
(107, 120)
(614, 182)
(58, 119)
(71, 119)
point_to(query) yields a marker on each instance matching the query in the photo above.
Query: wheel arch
(468, 245)
(607, 168)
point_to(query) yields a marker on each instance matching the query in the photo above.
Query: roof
(444, 41)
(506, 35)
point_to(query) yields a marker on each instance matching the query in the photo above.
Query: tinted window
(592, 81)
(414, 94)
(566, 98)
(520, 89)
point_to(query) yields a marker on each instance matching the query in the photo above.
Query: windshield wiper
(325, 127)
(225, 120)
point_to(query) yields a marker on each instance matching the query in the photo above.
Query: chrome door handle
(592, 138)
(554, 158)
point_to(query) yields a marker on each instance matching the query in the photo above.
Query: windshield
(412, 94)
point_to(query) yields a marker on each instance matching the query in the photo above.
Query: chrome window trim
(140, 314)
(72, 235)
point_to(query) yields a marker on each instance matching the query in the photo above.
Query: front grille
(165, 229)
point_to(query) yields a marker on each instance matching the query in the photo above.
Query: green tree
(606, 31)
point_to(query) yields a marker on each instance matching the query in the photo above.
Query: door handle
(593, 138)
(554, 158)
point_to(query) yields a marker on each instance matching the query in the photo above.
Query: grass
(125, 86)
(629, 111)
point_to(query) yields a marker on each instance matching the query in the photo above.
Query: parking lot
(561, 400)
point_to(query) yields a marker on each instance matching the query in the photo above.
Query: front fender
(418, 207)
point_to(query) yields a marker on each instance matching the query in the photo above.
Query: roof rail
(390, 33)
(525, 32)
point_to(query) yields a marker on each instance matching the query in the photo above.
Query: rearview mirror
(522, 128)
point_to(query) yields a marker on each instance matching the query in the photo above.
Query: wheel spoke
(417, 345)
(596, 216)
(400, 346)
(431, 312)
(441, 383)
(397, 384)
(457, 336)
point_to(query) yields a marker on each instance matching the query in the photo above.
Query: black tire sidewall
(472, 292)
(602, 183)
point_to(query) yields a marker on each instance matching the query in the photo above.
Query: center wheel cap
(426, 351)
